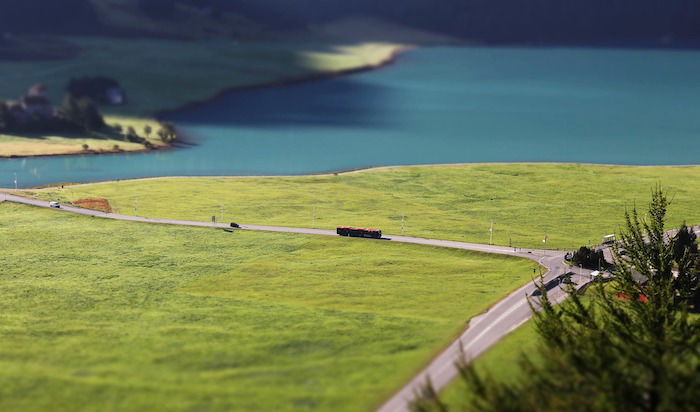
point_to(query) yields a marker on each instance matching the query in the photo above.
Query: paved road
(484, 330)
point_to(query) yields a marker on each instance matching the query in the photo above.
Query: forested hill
(512, 21)
(654, 22)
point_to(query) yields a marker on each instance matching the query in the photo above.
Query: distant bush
(167, 132)
(589, 258)
(103, 90)
(83, 113)
(684, 243)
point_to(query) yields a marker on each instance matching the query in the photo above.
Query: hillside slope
(644, 22)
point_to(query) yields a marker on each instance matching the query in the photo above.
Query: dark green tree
(589, 258)
(169, 131)
(685, 240)
(629, 345)
(686, 249)
(82, 113)
(6, 120)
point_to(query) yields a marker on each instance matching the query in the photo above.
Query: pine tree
(627, 345)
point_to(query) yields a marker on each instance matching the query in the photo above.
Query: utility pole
(313, 217)
(136, 206)
(403, 223)
(15, 180)
(491, 234)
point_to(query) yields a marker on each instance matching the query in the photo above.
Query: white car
(55, 204)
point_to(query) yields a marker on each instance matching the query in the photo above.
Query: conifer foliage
(632, 344)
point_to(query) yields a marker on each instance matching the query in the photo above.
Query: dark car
(234, 224)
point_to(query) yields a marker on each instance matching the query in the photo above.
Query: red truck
(358, 232)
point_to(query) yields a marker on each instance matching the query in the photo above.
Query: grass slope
(160, 74)
(99, 315)
(572, 204)
(500, 362)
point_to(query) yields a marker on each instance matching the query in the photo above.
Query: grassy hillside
(171, 19)
(571, 204)
(160, 74)
(113, 315)
(499, 362)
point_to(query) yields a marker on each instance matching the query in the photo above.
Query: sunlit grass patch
(118, 315)
(572, 205)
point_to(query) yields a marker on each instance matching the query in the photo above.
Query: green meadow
(570, 204)
(103, 315)
(501, 362)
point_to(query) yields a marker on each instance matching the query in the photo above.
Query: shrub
(589, 258)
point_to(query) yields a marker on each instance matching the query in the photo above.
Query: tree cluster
(625, 346)
(589, 258)
(497, 21)
(166, 133)
(83, 113)
(36, 123)
(95, 88)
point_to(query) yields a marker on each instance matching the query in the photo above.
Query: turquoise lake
(437, 105)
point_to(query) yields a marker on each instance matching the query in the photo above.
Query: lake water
(439, 105)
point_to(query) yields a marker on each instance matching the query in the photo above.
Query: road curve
(483, 331)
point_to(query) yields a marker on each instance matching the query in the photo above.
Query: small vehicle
(234, 224)
(54, 205)
(358, 232)
(560, 280)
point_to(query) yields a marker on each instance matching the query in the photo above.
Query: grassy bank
(102, 314)
(108, 142)
(499, 362)
(571, 204)
(161, 75)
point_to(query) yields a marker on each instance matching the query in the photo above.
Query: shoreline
(344, 172)
(85, 153)
(182, 140)
(159, 115)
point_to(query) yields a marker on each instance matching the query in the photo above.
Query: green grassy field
(500, 362)
(160, 74)
(571, 204)
(106, 315)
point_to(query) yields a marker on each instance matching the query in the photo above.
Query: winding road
(483, 331)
